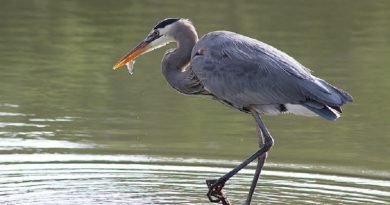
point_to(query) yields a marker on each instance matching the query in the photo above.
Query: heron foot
(215, 193)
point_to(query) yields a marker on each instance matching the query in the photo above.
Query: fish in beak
(129, 59)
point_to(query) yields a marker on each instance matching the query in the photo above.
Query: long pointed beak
(133, 54)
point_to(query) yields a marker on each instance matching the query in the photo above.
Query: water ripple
(60, 119)
(20, 124)
(31, 134)
(8, 105)
(12, 114)
(20, 143)
(66, 180)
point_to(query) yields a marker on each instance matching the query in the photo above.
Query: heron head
(159, 36)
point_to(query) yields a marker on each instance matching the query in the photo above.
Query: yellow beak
(133, 54)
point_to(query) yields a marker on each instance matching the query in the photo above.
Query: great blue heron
(243, 73)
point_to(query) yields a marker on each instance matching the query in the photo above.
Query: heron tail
(326, 94)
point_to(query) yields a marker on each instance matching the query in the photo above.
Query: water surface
(73, 131)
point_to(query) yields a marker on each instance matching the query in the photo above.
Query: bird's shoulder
(230, 47)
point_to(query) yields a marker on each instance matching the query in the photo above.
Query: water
(73, 131)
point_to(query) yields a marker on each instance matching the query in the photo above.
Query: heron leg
(260, 164)
(215, 186)
(259, 167)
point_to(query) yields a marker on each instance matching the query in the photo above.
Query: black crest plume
(166, 22)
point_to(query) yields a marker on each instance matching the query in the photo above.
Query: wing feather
(244, 71)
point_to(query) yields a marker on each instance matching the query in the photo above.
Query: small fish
(130, 66)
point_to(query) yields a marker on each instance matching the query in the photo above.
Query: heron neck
(181, 56)
(175, 62)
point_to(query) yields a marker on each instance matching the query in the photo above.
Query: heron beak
(133, 54)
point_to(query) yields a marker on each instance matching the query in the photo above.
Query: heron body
(243, 73)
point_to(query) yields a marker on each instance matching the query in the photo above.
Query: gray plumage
(240, 71)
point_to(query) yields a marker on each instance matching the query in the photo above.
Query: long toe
(215, 193)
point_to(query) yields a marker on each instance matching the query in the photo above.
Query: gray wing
(244, 71)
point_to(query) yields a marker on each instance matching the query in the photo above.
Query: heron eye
(156, 33)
